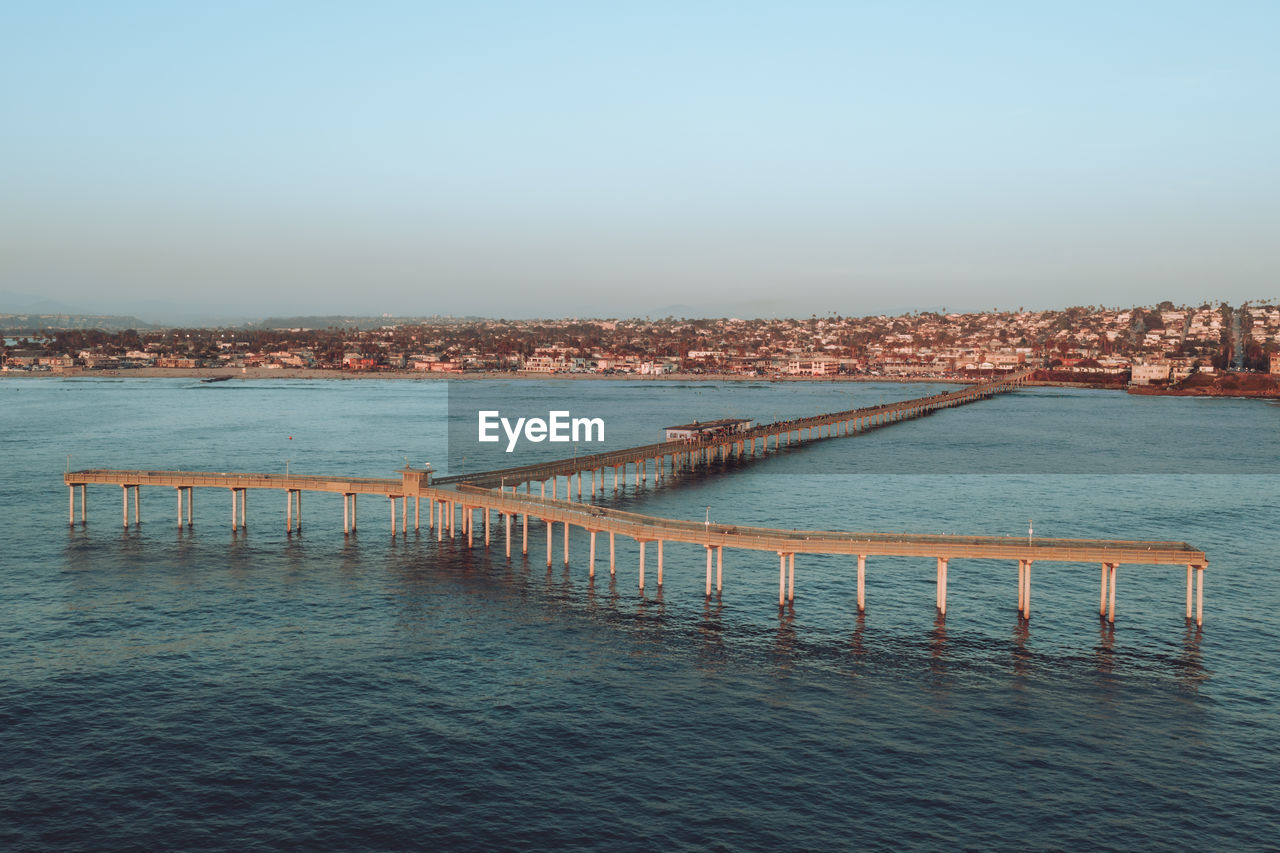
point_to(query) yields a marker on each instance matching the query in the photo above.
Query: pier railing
(237, 480)
(651, 528)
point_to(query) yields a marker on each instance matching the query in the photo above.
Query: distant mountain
(19, 323)
(169, 314)
(29, 303)
(342, 321)
(678, 310)
(751, 309)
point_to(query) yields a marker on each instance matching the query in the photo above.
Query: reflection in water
(784, 643)
(613, 592)
(938, 645)
(1104, 654)
(80, 562)
(294, 555)
(857, 645)
(413, 598)
(239, 556)
(131, 541)
(650, 609)
(184, 547)
(349, 555)
(711, 630)
(648, 622)
(1021, 654)
(1191, 671)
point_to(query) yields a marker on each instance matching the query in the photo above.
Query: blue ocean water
(197, 689)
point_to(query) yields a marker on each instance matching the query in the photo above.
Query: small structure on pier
(697, 431)
(416, 478)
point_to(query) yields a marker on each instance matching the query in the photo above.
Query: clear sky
(528, 158)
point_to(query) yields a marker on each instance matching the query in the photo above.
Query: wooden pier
(691, 453)
(453, 502)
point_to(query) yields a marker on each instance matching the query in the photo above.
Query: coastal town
(1160, 345)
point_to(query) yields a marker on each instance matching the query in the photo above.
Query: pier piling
(782, 579)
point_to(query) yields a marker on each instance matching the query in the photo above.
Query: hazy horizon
(559, 160)
(162, 314)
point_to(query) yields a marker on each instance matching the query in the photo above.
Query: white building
(1145, 374)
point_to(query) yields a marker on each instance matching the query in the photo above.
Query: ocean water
(199, 689)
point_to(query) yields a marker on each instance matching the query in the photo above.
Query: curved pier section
(452, 504)
(674, 454)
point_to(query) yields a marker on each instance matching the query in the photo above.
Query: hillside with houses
(1158, 345)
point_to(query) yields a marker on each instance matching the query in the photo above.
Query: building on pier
(707, 429)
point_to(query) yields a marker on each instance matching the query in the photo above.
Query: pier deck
(847, 422)
(453, 502)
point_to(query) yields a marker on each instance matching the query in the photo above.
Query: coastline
(306, 373)
(312, 374)
(1237, 393)
(420, 376)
